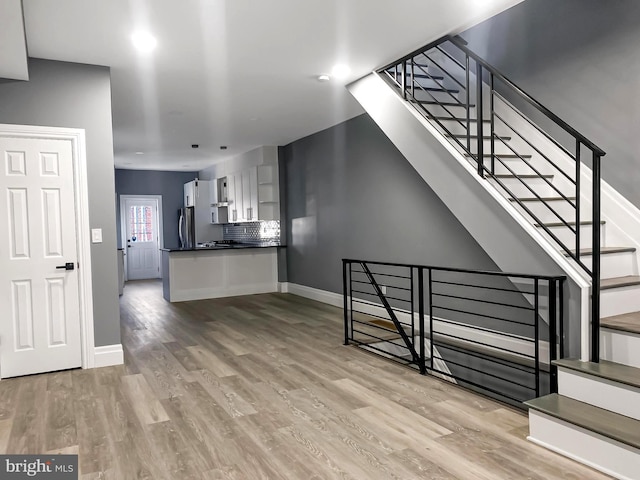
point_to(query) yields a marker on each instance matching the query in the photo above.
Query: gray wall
(581, 59)
(63, 94)
(150, 182)
(350, 193)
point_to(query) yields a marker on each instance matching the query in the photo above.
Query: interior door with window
(142, 239)
(39, 284)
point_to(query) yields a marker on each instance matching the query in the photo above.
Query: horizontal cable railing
(496, 126)
(494, 332)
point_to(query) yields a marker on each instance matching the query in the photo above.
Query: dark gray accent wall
(170, 185)
(63, 94)
(351, 193)
(581, 59)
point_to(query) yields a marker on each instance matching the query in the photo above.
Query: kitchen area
(229, 231)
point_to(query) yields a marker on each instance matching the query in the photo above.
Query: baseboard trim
(500, 342)
(323, 296)
(108, 355)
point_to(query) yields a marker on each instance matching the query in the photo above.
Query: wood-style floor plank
(261, 387)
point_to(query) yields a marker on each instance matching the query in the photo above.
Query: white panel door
(39, 296)
(142, 248)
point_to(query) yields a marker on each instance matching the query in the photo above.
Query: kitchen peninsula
(219, 271)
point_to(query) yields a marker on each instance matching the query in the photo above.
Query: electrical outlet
(384, 289)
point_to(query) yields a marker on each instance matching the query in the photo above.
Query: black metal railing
(496, 125)
(493, 332)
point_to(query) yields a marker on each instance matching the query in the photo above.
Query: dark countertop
(240, 246)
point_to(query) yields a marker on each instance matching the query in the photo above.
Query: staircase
(545, 175)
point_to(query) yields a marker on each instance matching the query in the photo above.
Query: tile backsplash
(253, 232)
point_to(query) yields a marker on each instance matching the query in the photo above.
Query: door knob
(67, 266)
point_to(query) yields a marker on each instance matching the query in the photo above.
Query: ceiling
(239, 73)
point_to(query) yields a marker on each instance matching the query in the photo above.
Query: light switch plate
(96, 235)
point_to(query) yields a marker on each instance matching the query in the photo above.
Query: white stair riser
(447, 111)
(616, 301)
(518, 188)
(620, 347)
(544, 213)
(615, 264)
(569, 239)
(460, 127)
(599, 392)
(522, 167)
(599, 452)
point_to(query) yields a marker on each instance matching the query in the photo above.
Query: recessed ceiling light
(340, 71)
(144, 41)
(324, 78)
(139, 153)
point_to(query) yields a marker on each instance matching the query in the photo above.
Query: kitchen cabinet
(234, 192)
(190, 193)
(250, 194)
(217, 200)
(268, 193)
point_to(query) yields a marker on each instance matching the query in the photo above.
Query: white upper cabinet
(190, 193)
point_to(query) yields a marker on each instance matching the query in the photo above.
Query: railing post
(423, 366)
(578, 162)
(344, 302)
(561, 316)
(468, 102)
(413, 91)
(595, 267)
(553, 339)
(479, 116)
(404, 79)
(431, 317)
(492, 118)
(536, 347)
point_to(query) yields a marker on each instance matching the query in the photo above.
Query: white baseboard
(462, 332)
(108, 355)
(323, 296)
(283, 287)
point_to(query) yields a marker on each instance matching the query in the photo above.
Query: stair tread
(626, 322)
(618, 282)
(445, 104)
(560, 224)
(509, 175)
(543, 199)
(609, 424)
(604, 369)
(459, 119)
(603, 251)
(435, 89)
(501, 155)
(485, 137)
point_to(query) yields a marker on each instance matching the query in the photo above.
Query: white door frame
(83, 235)
(123, 227)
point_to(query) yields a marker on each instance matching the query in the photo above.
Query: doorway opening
(141, 234)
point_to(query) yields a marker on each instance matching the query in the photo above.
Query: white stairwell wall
(507, 237)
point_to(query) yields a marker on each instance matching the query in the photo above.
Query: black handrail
(524, 95)
(471, 315)
(401, 74)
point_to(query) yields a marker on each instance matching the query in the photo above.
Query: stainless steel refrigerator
(187, 227)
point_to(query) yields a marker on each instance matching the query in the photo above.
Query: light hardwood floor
(260, 387)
